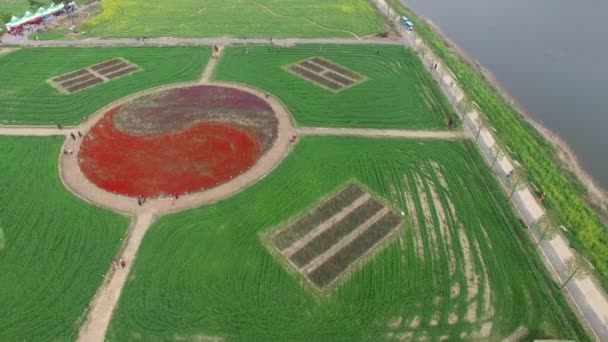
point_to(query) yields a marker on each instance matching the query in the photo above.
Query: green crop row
(565, 193)
(27, 98)
(54, 247)
(207, 272)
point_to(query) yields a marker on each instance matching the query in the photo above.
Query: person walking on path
(79, 134)
(73, 136)
(267, 94)
(123, 263)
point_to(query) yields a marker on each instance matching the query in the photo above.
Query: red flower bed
(198, 157)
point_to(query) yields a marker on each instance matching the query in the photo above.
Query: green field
(235, 18)
(26, 98)
(54, 248)
(461, 267)
(398, 91)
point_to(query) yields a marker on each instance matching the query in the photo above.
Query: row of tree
(547, 227)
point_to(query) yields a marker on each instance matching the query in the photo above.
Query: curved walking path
(77, 182)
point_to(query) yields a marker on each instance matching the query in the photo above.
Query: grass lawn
(460, 268)
(26, 98)
(54, 248)
(398, 91)
(235, 18)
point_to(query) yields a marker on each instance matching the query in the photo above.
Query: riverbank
(597, 195)
(566, 192)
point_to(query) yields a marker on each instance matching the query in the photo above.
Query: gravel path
(10, 40)
(36, 130)
(372, 132)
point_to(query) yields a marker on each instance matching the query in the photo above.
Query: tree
(498, 154)
(466, 106)
(547, 226)
(576, 267)
(480, 122)
(517, 178)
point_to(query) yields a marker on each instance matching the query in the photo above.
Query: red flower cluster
(199, 157)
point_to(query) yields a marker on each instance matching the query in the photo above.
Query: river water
(549, 55)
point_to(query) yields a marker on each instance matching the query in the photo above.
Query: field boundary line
(378, 132)
(107, 296)
(324, 226)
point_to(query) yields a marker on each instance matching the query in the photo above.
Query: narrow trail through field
(106, 298)
(269, 10)
(374, 132)
(215, 57)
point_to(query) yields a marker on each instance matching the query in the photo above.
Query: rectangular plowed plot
(74, 74)
(318, 215)
(84, 85)
(338, 78)
(121, 72)
(92, 75)
(315, 77)
(337, 68)
(324, 243)
(329, 271)
(335, 233)
(74, 81)
(312, 66)
(106, 64)
(112, 68)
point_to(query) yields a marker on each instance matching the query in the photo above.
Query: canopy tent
(54, 8)
(41, 12)
(36, 17)
(14, 22)
(28, 15)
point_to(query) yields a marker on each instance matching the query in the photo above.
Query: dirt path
(168, 41)
(210, 67)
(372, 132)
(36, 131)
(104, 302)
